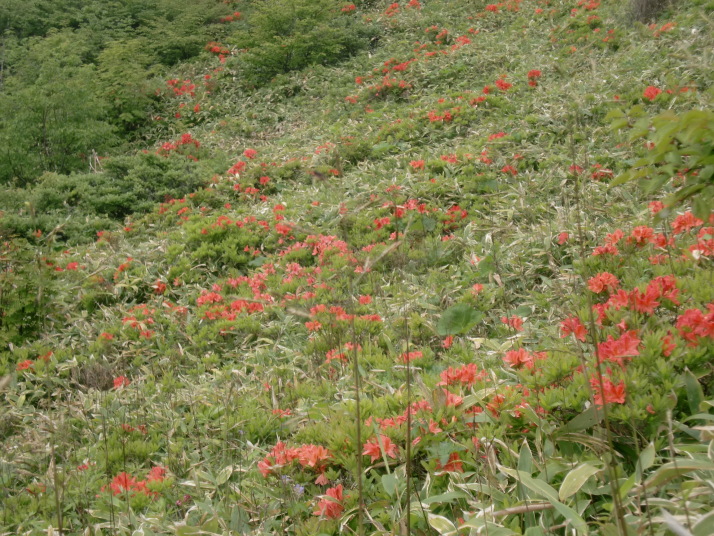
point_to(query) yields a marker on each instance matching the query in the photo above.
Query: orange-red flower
(603, 281)
(330, 506)
(651, 93)
(574, 326)
(454, 464)
(374, 447)
(121, 381)
(611, 393)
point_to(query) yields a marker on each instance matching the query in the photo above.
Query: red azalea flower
(25, 365)
(514, 322)
(611, 393)
(574, 326)
(121, 381)
(516, 358)
(331, 506)
(651, 93)
(603, 281)
(503, 85)
(373, 448)
(454, 464)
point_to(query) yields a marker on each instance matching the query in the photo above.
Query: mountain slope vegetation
(315, 267)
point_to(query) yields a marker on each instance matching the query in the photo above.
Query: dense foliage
(316, 267)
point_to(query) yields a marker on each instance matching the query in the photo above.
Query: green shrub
(288, 35)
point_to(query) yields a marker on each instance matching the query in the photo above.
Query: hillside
(311, 267)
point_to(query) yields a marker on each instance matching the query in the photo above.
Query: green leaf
(695, 395)
(621, 179)
(525, 458)
(675, 526)
(389, 483)
(224, 475)
(486, 527)
(673, 470)
(647, 457)
(703, 525)
(441, 524)
(702, 206)
(575, 479)
(458, 319)
(448, 497)
(547, 491)
(585, 420)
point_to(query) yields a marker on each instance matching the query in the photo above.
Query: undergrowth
(452, 274)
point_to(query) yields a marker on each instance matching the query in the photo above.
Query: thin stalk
(55, 478)
(409, 430)
(358, 415)
(106, 463)
(615, 488)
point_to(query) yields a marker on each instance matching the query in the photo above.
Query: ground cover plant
(444, 268)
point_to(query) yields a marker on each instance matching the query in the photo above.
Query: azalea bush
(285, 36)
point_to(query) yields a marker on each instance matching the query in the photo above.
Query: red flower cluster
(574, 326)
(230, 18)
(694, 325)
(453, 465)
(331, 505)
(125, 483)
(615, 350)
(514, 322)
(466, 375)
(25, 365)
(533, 76)
(685, 222)
(411, 356)
(651, 93)
(186, 87)
(521, 357)
(315, 457)
(502, 84)
(392, 10)
(179, 145)
(373, 448)
(663, 287)
(121, 381)
(398, 420)
(611, 393)
(603, 281)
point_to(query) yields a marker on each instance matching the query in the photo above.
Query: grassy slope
(207, 390)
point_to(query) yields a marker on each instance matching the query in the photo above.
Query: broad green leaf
(575, 479)
(448, 497)
(224, 475)
(489, 527)
(695, 395)
(458, 319)
(547, 491)
(627, 485)
(675, 526)
(647, 457)
(703, 525)
(672, 470)
(389, 483)
(572, 516)
(441, 525)
(525, 458)
(585, 420)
